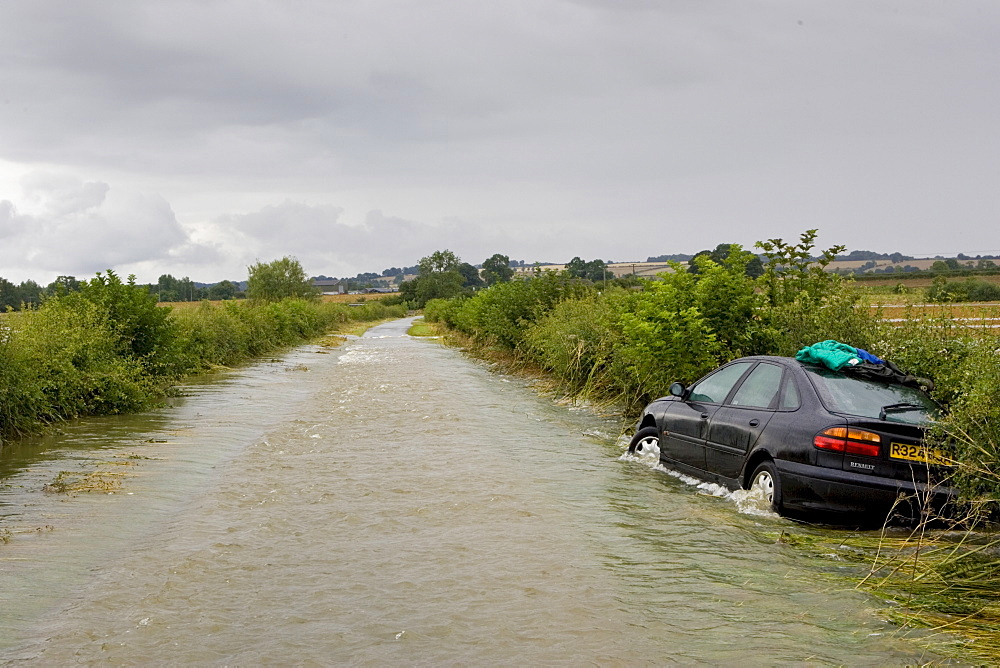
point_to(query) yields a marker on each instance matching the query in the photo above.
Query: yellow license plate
(918, 453)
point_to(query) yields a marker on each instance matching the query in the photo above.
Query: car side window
(715, 388)
(789, 396)
(760, 389)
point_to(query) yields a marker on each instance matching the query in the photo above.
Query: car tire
(766, 478)
(645, 440)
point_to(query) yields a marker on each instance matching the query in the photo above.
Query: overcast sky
(194, 138)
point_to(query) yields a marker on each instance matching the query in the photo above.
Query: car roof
(791, 361)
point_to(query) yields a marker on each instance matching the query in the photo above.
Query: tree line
(166, 289)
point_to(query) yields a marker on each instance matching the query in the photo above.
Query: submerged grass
(940, 586)
(76, 482)
(421, 327)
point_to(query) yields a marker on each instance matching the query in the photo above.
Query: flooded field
(391, 502)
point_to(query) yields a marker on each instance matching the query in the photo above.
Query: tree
(693, 264)
(754, 267)
(30, 293)
(471, 275)
(439, 278)
(594, 270)
(63, 284)
(223, 290)
(497, 269)
(8, 295)
(439, 261)
(277, 280)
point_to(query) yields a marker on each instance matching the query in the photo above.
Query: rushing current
(392, 502)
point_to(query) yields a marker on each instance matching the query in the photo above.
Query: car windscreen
(841, 393)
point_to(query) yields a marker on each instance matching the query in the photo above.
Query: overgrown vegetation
(628, 344)
(108, 348)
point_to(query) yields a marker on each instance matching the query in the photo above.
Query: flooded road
(391, 502)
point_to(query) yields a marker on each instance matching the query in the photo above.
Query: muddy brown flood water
(392, 502)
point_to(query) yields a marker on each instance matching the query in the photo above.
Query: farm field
(985, 314)
(912, 282)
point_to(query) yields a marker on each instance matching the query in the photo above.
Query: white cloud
(78, 227)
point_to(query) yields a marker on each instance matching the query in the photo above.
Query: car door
(685, 425)
(735, 426)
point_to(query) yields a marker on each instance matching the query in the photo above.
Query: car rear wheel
(646, 441)
(765, 478)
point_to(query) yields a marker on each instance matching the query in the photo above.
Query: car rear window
(841, 393)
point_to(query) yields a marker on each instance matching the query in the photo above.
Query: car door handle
(754, 422)
(704, 416)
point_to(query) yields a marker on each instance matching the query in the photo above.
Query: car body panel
(732, 430)
(684, 442)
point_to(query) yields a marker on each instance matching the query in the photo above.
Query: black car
(816, 441)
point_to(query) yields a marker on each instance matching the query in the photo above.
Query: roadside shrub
(442, 310)
(142, 329)
(22, 402)
(971, 427)
(667, 337)
(729, 301)
(842, 314)
(368, 313)
(579, 341)
(213, 336)
(71, 353)
(501, 313)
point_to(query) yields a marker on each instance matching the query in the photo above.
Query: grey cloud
(539, 126)
(63, 194)
(11, 223)
(324, 244)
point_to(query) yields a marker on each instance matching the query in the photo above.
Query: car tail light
(849, 440)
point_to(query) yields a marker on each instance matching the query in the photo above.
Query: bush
(442, 310)
(143, 330)
(579, 342)
(970, 290)
(500, 313)
(68, 363)
(668, 338)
